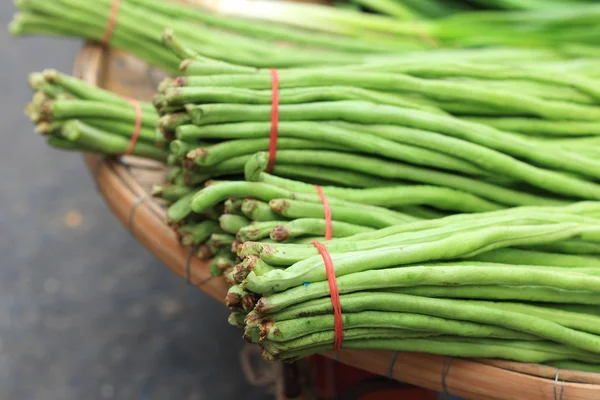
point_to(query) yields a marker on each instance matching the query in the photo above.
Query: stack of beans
(499, 284)
(461, 198)
(77, 116)
(323, 35)
(423, 140)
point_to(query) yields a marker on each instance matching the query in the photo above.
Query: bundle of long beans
(353, 37)
(220, 37)
(460, 127)
(77, 116)
(547, 24)
(376, 154)
(397, 145)
(464, 285)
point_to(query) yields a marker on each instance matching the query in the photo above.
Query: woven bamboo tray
(125, 185)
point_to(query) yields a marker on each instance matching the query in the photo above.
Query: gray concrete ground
(85, 311)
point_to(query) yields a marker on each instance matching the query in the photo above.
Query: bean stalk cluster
(75, 116)
(299, 35)
(464, 194)
(495, 284)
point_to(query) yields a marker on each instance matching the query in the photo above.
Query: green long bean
(492, 72)
(366, 113)
(407, 235)
(82, 90)
(531, 257)
(404, 83)
(529, 352)
(260, 211)
(257, 230)
(171, 193)
(539, 126)
(397, 170)
(504, 292)
(314, 227)
(181, 96)
(72, 109)
(220, 152)
(284, 330)
(231, 223)
(325, 133)
(198, 233)
(371, 217)
(325, 338)
(108, 143)
(332, 176)
(442, 308)
(456, 246)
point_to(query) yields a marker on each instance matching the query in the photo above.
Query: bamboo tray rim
(470, 378)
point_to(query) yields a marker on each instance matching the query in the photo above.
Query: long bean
(529, 352)
(331, 176)
(71, 109)
(469, 133)
(221, 240)
(214, 194)
(573, 246)
(376, 196)
(586, 209)
(81, 90)
(540, 126)
(404, 83)
(260, 211)
(368, 217)
(406, 235)
(181, 96)
(61, 143)
(108, 143)
(125, 129)
(504, 292)
(491, 72)
(231, 223)
(324, 133)
(284, 330)
(397, 170)
(456, 246)
(199, 233)
(576, 366)
(326, 337)
(217, 153)
(272, 31)
(314, 227)
(441, 198)
(571, 162)
(487, 158)
(179, 210)
(581, 322)
(443, 308)
(530, 257)
(256, 230)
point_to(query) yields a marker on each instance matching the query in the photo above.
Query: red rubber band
(335, 295)
(274, 119)
(111, 23)
(138, 124)
(328, 227)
